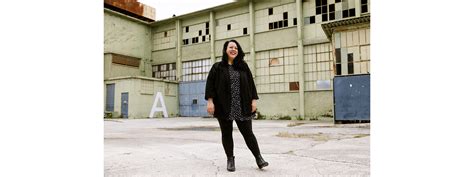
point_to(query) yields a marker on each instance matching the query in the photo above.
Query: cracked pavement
(192, 147)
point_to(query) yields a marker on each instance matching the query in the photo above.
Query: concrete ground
(192, 147)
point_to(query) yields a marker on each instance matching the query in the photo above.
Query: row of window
(186, 29)
(196, 38)
(164, 71)
(282, 23)
(321, 9)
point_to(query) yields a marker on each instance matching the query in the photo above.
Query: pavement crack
(211, 160)
(328, 160)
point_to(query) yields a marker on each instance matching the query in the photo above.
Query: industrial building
(294, 48)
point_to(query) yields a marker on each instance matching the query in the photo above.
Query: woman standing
(231, 95)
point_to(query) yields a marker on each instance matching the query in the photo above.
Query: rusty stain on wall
(133, 8)
(125, 60)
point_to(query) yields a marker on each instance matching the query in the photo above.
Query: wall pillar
(178, 50)
(299, 16)
(252, 37)
(212, 27)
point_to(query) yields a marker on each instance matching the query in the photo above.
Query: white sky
(166, 8)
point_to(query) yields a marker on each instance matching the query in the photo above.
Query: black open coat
(218, 88)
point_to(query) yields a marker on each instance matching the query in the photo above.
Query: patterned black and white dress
(235, 108)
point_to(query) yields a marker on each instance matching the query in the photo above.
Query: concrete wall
(141, 95)
(274, 105)
(125, 36)
(164, 56)
(201, 18)
(318, 103)
(116, 70)
(266, 4)
(232, 11)
(196, 51)
(276, 39)
(161, 42)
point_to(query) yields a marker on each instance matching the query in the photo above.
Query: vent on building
(195, 101)
(125, 60)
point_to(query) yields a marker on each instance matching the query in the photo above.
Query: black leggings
(245, 128)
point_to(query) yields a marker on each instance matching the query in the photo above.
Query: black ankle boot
(260, 162)
(230, 163)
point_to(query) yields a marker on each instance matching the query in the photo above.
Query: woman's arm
(254, 105)
(210, 90)
(210, 106)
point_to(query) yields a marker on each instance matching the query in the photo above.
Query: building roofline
(329, 27)
(199, 12)
(126, 16)
(139, 77)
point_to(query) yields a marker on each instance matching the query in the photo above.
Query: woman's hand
(210, 106)
(254, 105)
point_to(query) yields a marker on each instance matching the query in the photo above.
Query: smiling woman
(230, 85)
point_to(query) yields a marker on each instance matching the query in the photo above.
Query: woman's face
(232, 50)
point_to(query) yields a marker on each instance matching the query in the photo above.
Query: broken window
(364, 6)
(164, 71)
(274, 61)
(338, 61)
(294, 86)
(196, 70)
(350, 64)
(352, 12)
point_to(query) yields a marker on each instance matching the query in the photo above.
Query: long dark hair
(238, 62)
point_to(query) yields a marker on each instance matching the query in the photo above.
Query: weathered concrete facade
(141, 92)
(294, 48)
(127, 69)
